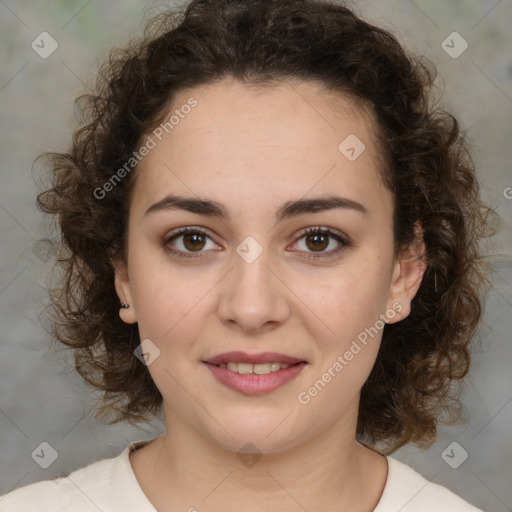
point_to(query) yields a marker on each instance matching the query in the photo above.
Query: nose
(253, 297)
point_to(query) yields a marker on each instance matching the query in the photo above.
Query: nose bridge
(252, 295)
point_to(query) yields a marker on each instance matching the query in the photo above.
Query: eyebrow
(202, 206)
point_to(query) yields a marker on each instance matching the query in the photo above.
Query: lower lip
(253, 384)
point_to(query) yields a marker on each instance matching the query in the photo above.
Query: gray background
(41, 397)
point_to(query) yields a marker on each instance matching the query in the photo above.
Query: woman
(272, 237)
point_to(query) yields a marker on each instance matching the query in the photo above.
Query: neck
(186, 470)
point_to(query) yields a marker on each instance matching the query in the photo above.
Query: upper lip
(262, 357)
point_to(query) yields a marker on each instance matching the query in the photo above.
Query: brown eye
(194, 241)
(317, 241)
(188, 242)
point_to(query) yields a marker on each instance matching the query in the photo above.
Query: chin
(265, 436)
(257, 444)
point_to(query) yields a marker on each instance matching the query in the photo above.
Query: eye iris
(196, 237)
(318, 244)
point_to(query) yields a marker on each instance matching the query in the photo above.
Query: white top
(110, 485)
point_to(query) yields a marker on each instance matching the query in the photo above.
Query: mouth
(260, 364)
(255, 373)
(256, 369)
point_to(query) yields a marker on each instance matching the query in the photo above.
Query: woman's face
(246, 278)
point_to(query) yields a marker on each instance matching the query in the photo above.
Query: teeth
(258, 369)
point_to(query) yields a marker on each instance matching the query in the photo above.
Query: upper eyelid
(301, 233)
(183, 231)
(329, 231)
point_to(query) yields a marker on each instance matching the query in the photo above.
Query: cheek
(347, 331)
(347, 326)
(167, 296)
(348, 298)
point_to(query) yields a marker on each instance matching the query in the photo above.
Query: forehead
(287, 138)
(290, 112)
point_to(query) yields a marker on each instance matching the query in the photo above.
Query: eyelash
(344, 243)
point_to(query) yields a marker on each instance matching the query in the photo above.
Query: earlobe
(123, 290)
(408, 274)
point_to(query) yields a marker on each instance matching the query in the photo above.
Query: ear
(123, 289)
(408, 272)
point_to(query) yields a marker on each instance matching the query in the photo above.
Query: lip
(253, 384)
(261, 357)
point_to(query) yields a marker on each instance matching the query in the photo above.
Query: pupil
(319, 241)
(197, 239)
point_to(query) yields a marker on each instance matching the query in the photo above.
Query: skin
(253, 151)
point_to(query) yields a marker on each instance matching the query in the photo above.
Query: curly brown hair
(426, 164)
